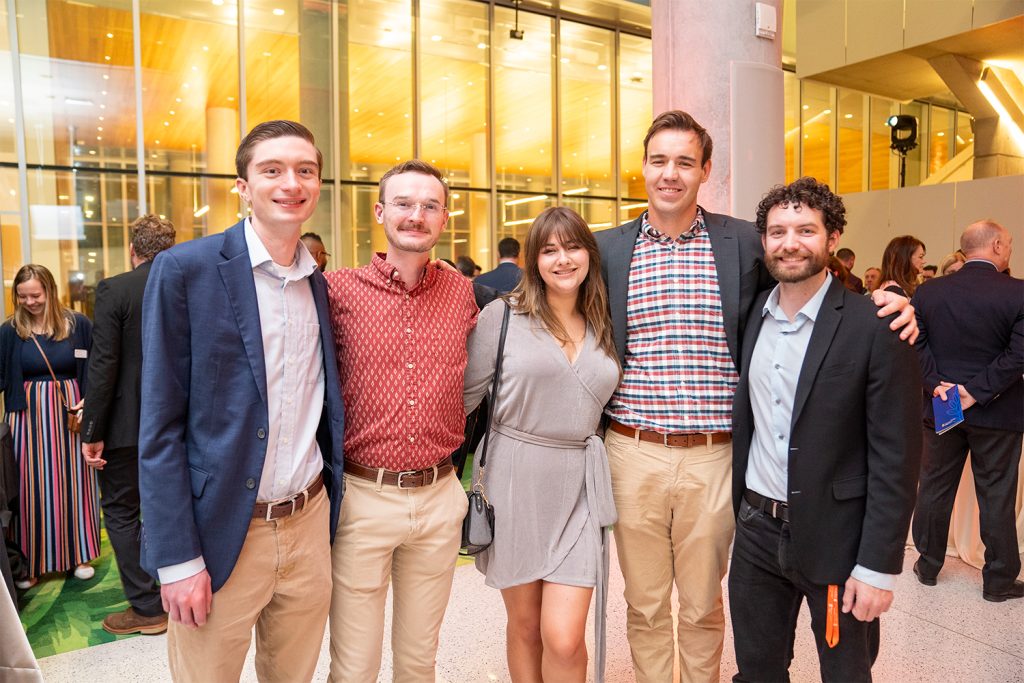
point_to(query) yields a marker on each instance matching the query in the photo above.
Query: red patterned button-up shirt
(401, 356)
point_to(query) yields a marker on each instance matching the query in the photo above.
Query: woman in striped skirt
(43, 356)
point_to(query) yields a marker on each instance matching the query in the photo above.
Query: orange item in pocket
(832, 617)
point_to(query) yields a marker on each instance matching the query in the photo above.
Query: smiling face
(563, 266)
(796, 243)
(673, 173)
(32, 297)
(283, 184)
(413, 212)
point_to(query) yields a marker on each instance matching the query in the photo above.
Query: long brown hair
(58, 321)
(897, 262)
(568, 227)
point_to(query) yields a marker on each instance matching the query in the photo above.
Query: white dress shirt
(774, 372)
(293, 356)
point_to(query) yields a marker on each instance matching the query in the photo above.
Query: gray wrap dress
(547, 472)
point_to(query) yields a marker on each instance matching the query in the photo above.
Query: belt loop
(434, 480)
(636, 437)
(709, 435)
(380, 479)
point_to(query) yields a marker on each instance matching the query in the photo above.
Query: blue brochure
(948, 413)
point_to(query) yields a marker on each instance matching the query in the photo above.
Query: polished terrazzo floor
(943, 633)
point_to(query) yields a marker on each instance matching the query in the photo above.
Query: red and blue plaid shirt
(679, 376)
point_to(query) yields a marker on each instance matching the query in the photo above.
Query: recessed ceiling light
(278, 12)
(482, 46)
(602, 67)
(110, 35)
(436, 38)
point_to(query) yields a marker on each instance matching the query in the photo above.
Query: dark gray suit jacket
(112, 403)
(739, 260)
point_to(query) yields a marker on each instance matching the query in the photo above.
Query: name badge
(81, 353)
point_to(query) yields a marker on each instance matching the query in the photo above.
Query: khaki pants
(675, 526)
(281, 584)
(412, 537)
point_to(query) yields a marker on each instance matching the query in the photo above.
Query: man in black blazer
(507, 275)
(110, 422)
(681, 281)
(972, 336)
(823, 495)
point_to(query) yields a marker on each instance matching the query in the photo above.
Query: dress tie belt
(597, 480)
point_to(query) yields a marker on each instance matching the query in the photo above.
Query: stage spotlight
(903, 136)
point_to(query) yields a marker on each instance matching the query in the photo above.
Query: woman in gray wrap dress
(547, 472)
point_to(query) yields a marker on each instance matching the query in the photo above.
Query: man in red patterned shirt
(401, 325)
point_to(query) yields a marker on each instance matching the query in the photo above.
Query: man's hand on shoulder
(865, 601)
(93, 454)
(891, 302)
(188, 601)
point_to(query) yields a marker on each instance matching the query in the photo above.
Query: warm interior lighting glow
(520, 222)
(628, 207)
(202, 211)
(526, 200)
(453, 214)
(576, 190)
(985, 85)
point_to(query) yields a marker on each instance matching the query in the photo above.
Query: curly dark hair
(807, 192)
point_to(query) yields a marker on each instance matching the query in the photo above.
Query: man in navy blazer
(507, 275)
(972, 336)
(241, 429)
(825, 454)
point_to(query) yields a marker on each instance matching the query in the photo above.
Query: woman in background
(58, 528)
(902, 262)
(952, 263)
(547, 472)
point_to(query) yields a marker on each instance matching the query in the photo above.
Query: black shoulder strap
(496, 382)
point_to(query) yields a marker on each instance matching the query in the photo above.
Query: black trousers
(119, 498)
(765, 592)
(995, 461)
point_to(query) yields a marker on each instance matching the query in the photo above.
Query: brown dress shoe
(130, 621)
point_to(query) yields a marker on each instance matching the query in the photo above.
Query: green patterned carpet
(62, 613)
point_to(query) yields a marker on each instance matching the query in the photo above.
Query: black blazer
(739, 260)
(855, 446)
(972, 333)
(115, 367)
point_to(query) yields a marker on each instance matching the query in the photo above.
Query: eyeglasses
(428, 209)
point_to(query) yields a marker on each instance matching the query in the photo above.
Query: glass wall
(842, 138)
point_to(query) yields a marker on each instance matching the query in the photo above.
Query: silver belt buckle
(406, 473)
(664, 441)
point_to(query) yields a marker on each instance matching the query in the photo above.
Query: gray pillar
(709, 62)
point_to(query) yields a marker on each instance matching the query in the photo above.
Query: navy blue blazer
(504, 278)
(204, 423)
(12, 384)
(972, 333)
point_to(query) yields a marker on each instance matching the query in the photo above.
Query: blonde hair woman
(43, 355)
(547, 473)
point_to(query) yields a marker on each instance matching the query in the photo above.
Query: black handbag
(478, 526)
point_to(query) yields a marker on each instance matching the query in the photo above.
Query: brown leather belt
(288, 507)
(769, 506)
(409, 479)
(671, 440)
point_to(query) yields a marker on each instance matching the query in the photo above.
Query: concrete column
(221, 144)
(709, 62)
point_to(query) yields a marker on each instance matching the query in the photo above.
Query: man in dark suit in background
(110, 422)
(242, 428)
(506, 276)
(681, 282)
(823, 496)
(972, 338)
(848, 259)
